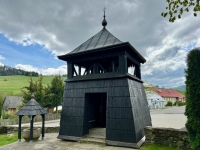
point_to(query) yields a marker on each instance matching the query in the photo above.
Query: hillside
(9, 71)
(15, 83)
(181, 87)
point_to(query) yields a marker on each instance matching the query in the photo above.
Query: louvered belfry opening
(98, 81)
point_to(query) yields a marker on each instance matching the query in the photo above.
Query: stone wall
(8, 130)
(26, 119)
(167, 137)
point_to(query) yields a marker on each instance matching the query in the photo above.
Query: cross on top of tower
(104, 22)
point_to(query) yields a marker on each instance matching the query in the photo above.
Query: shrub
(180, 103)
(169, 103)
(192, 74)
(59, 111)
(8, 115)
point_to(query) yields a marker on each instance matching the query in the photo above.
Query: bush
(180, 103)
(8, 115)
(59, 111)
(169, 103)
(193, 97)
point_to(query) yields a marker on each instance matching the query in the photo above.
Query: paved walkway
(52, 143)
(170, 118)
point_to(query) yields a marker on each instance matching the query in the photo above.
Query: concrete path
(50, 123)
(171, 118)
(52, 143)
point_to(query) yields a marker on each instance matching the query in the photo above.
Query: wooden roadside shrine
(99, 92)
(32, 108)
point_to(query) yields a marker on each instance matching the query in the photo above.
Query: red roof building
(169, 94)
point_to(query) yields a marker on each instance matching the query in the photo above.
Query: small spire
(104, 22)
(32, 96)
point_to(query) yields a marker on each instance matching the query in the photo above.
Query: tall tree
(193, 97)
(56, 91)
(34, 87)
(176, 8)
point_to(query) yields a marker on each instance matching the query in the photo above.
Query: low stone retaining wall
(26, 119)
(8, 130)
(167, 137)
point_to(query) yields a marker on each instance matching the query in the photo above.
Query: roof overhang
(123, 46)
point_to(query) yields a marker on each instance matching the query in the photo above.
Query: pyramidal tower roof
(102, 39)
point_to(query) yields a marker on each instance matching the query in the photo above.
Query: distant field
(15, 83)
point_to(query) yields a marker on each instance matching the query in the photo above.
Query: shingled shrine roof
(32, 108)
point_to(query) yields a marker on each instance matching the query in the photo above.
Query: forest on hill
(9, 71)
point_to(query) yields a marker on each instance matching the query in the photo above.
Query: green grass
(5, 139)
(15, 83)
(156, 147)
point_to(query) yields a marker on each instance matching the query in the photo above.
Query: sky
(33, 33)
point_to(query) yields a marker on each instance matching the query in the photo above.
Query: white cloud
(61, 26)
(1, 64)
(62, 70)
(26, 67)
(1, 57)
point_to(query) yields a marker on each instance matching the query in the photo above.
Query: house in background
(154, 100)
(169, 95)
(11, 103)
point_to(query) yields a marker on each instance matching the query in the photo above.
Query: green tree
(34, 87)
(176, 8)
(55, 91)
(193, 97)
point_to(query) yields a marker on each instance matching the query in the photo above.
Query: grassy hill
(16, 82)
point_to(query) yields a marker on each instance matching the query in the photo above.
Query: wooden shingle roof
(31, 108)
(102, 39)
(11, 102)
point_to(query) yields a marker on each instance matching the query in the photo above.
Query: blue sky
(34, 55)
(34, 33)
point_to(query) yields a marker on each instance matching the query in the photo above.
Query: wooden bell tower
(98, 79)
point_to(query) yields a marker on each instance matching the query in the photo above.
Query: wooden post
(20, 128)
(79, 70)
(113, 66)
(69, 70)
(137, 71)
(43, 120)
(31, 128)
(122, 64)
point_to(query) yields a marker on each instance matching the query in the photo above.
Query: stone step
(99, 141)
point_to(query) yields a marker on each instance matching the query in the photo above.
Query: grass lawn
(5, 139)
(15, 83)
(156, 147)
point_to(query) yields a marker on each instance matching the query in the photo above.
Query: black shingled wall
(127, 109)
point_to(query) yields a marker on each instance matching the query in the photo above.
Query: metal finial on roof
(104, 22)
(33, 96)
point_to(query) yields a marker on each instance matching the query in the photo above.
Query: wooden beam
(102, 67)
(79, 70)
(69, 70)
(75, 71)
(123, 64)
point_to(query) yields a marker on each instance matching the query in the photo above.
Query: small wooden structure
(99, 91)
(31, 109)
(11, 103)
